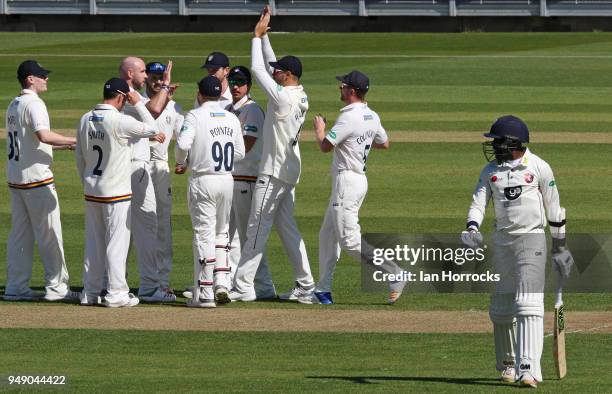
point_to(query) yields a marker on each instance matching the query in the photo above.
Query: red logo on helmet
(493, 178)
(528, 177)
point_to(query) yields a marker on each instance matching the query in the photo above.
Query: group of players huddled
(244, 164)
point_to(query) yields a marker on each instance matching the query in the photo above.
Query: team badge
(529, 177)
(493, 178)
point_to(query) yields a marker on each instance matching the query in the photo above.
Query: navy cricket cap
(240, 73)
(31, 67)
(156, 68)
(511, 127)
(216, 60)
(210, 86)
(355, 79)
(289, 63)
(116, 84)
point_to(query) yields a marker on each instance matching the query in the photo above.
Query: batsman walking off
(525, 197)
(279, 171)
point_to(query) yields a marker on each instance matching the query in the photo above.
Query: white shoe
(201, 303)
(299, 294)
(245, 297)
(70, 295)
(131, 301)
(160, 295)
(28, 296)
(188, 293)
(527, 380)
(222, 295)
(90, 300)
(508, 375)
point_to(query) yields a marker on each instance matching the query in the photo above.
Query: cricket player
(168, 122)
(525, 197)
(212, 139)
(251, 118)
(35, 213)
(279, 170)
(356, 132)
(217, 64)
(144, 210)
(103, 157)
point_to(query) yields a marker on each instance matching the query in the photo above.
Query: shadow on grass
(429, 379)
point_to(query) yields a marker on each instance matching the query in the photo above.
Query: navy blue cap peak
(239, 73)
(116, 84)
(216, 60)
(289, 63)
(210, 86)
(31, 67)
(355, 79)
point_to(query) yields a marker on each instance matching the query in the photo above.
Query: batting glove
(562, 258)
(472, 238)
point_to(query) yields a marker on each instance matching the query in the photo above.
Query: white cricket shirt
(251, 118)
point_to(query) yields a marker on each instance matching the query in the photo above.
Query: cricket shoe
(394, 295)
(159, 295)
(299, 294)
(222, 295)
(132, 300)
(235, 295)
(323, 297)
(188, 293)
(201, 303)
(91, 300)
(70, 296)
(527, 380)
(508, 375)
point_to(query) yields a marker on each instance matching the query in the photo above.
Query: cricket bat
(559, 333)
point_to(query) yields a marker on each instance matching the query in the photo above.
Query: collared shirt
(212, 138)
(251, 118)
(523, 196)
(103, 153)
(29, 160)
(285, 115)
(352, 136)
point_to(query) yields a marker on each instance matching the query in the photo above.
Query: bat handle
(559, 295)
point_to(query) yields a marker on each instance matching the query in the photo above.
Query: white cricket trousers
(107, 228)
(239, 220)
(517, 305)
(35, 216)
(144, 226)
(273, 204)
(209, 199)
(341, 230)
(160, 174)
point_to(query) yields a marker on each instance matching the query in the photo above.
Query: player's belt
(31, 185)
(245, 178)
(109, 200)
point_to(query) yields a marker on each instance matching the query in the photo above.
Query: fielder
(217, 64)
(144, 210)
(279, 170)
(35, 213)
(212, 139)
(169, 122)
(525, 197)
(103, 157)
(356, 132)
(251, 118)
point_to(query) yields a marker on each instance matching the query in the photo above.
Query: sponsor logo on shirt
(332, 134)
(513, 192)
(552, 183)
(217, 114)
(96, 118)
(368, 117)
(250, 128)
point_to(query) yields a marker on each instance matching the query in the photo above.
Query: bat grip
(559, 290)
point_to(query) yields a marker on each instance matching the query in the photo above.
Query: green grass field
(558, 83)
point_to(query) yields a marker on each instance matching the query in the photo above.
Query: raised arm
(158, 102)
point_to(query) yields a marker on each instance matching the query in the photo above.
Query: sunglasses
(239, 83)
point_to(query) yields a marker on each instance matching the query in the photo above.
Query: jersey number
(97, 171)
(223, 157)
(366, 150)
(14, 146)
